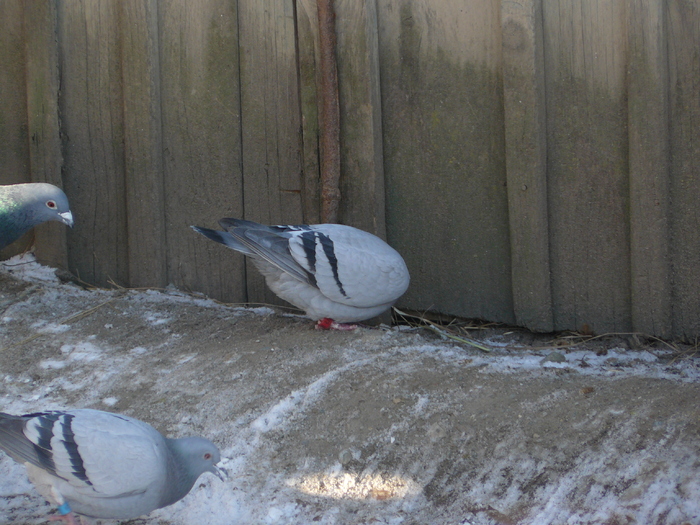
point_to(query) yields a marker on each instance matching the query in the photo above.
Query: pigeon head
(23, 206)
(199, 455)
(193, 456)
(43, 202)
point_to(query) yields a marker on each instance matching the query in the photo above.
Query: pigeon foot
(68, 519)
(329, 324)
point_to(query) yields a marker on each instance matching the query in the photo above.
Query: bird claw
(68, 519)
(329, 324)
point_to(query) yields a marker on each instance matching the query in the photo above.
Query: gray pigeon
(104, 465)
(23, 206)
(335, 273)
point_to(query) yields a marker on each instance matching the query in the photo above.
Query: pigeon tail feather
(224, 238)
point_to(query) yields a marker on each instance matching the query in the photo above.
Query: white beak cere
(67, 218)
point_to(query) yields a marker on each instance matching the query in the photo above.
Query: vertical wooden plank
(14, 153)
(585, 53)
(307, 50)
(444, 154)
(143, 144)
(649, 168)
(328, 111)
(90, 105)
(526, 162)
(362, 171)
(44, 137)
(270, 119)
(201, 141)
(684, 81)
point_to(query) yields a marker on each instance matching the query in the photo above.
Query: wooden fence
(535, 161)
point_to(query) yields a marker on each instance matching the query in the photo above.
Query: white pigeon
(104, 465)
(335, 273)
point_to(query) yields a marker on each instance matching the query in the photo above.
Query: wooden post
(587, 170)
(362, 156)
(444, 154)
(14, 155)
(45, 157)
(202, 156)
(649, 158)
(329, 115)
(143, 143)
(683, 64)
(526, 162)
(271, 139)
(92, 130)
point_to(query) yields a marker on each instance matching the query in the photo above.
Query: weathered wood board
(526, 162)
(14, 151)
(683, 26)
(587, 164)
(92, 129)
(43, 125)
(363, 202)
(143, 143)
(202, 166)
(271, 155)
(444, 154)
(649, 166)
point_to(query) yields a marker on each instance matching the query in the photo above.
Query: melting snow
(256, 494)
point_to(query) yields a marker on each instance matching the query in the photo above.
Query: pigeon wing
(351, 266)
(270, 244)
(18, 446)
(98, 452)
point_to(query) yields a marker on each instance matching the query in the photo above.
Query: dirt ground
(392, 425)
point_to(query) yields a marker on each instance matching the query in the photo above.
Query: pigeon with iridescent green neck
(23, 206)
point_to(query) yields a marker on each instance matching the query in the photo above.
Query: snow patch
(52, 364)
(44, 327)
(284, 410)
(156, 319)
(263, 311)
(84, 352)
(173, 296)
(614, 363)
(186, 359)
(25, 268)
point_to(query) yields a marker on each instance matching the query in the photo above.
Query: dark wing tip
(210, 234)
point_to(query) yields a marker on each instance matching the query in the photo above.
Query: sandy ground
(376, 426)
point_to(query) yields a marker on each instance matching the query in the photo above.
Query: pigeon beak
(219, 472)
(67, 218)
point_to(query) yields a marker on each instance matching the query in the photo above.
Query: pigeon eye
(207, 456)
(51, 204)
